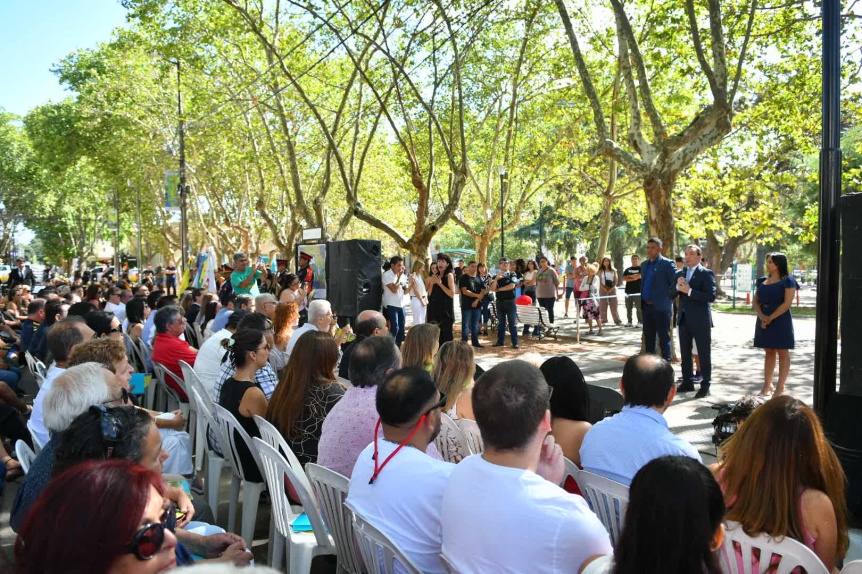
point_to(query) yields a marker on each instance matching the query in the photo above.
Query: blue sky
(36, 34)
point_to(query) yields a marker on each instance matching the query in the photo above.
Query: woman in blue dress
(774, 329)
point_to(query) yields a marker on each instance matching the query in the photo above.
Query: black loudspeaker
(851, 295)
(355, 277)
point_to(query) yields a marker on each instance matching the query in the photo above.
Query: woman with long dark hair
(773, 331)
(441, 298)
(113, 523)
(781, 477)
(570, 405)
(673, 524)
(307, 391)
(137, 312)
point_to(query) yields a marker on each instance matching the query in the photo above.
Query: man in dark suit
(657, 278)
(22, 275)
(695, 285)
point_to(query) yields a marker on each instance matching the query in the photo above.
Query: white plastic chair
(37, 444)
(40, 380)
(449, 429)
(330, 488)
(302, 546)
(271, 436)
(166, 392)
(737, 554)
(35, 365)
(379, 552)
(25, 455)
(607, 498)
(854, 567)
(571, 470)
(215, 461)
(196, 425)
(472, 435)
(230, 428)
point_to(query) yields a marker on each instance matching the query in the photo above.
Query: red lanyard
(379, 469)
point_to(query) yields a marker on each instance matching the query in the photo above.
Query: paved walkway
(737, 365)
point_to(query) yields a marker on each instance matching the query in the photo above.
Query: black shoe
(498, 345)
(478, 346)
(685, 388)
(702, 393)
(515, 346)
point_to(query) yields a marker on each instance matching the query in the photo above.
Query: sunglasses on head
(148, 541)
(111, 428)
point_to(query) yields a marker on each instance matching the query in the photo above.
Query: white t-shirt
(502, 519)
(37, 419)
(208, 363)
(391, 299)
(419, 288)
(119, 310)
(297, 334)
(404, 501)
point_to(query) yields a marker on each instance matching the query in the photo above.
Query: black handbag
(609, 283)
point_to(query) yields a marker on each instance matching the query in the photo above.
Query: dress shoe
(498, 345)
(702, 393)
(685, 388)
(478, 346)
(515, 346)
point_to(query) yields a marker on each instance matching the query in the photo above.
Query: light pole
(502, 206)
(138, 225)
(541, 227)
(182, 191)
(117, 236)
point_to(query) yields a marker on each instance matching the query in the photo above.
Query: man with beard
(395, 484)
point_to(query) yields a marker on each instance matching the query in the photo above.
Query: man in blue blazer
(695, 285)
(658, 275)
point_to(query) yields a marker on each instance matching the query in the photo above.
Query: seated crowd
(373, 412)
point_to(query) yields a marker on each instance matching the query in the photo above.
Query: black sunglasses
(440, 404)
(111, 428)
(123, 398)
(149, 539)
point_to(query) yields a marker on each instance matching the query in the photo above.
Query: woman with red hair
(115, 522)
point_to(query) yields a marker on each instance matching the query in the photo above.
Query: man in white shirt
(62, 337)
(503, 510)
(394, 289)
(395, 485)
(617, 447)
(210, 355)
(320, 318)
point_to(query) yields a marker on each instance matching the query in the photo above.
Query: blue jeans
(486, 311)
(656, 323)
(470, 319)
(396, 323)
(11, 377)
(506, 311)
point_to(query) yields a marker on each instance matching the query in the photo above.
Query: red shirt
(169, 351)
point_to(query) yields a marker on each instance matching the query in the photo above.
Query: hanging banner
(172, 185)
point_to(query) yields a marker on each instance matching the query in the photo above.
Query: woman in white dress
(418, 293)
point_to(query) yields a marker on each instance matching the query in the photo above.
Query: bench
(528, 315)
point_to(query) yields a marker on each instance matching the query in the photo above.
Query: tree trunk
(605, 223)
(482, 244)
(658, 188)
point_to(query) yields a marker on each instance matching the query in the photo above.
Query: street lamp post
(117, 236)
(502, 206)
(138, 225)
(183, 190)
(541, 228)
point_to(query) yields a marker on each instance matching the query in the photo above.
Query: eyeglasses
(550, 394)
(111, 428)
(149, 539)
(440, 404)
(267, 347)
(123, 398)
(115, 330)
